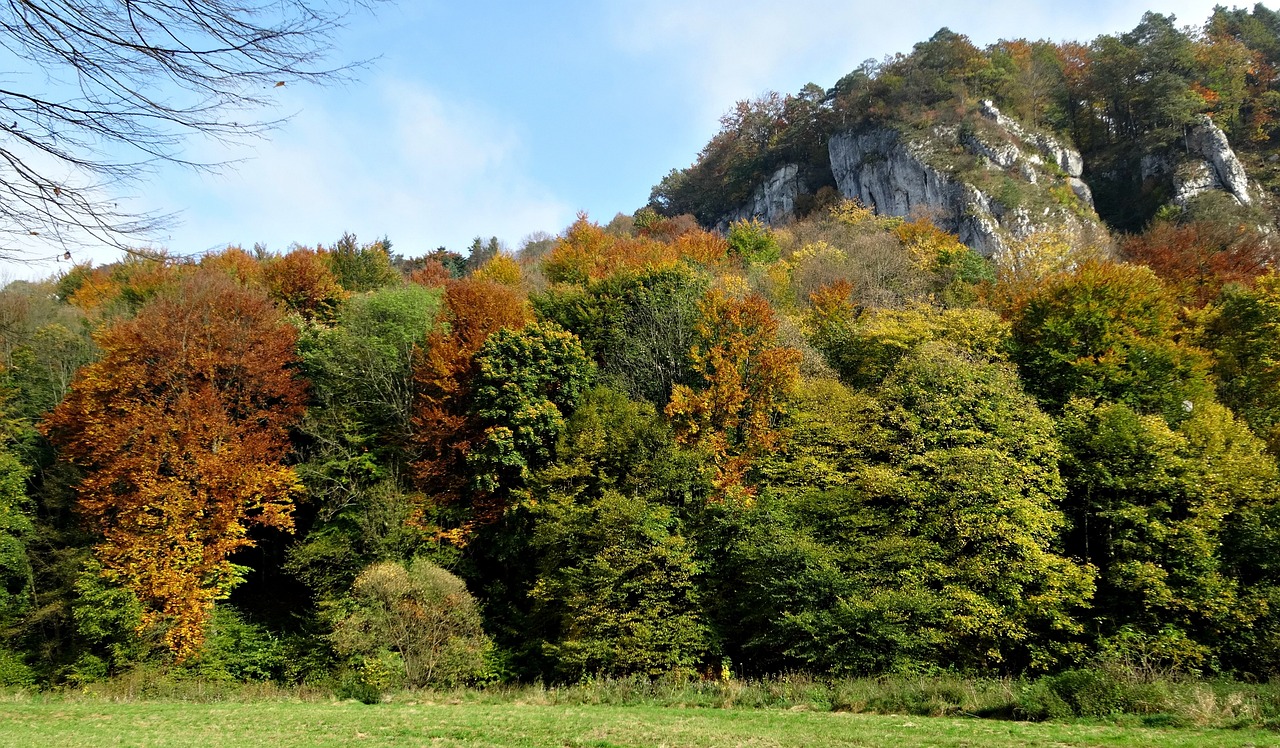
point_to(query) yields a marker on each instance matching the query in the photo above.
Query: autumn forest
(674, 445)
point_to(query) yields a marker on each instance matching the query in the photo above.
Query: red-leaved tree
(181, 429)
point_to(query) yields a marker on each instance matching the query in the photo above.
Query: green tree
(617, 589)
(617, 580)
(356, 435)
(638, 326)
(1111, 332)
(1242, 332)
(1151, 507)
(417, 620)
(526, 382)
(931, 541)
(359, 268)
(865, 347)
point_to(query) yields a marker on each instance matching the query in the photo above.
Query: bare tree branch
(128, 82)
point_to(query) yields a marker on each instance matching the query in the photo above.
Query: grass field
(55, 722)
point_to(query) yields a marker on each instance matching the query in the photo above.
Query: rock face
(987, 180)
(897, 176)
(1205, 162)
(877, 168)
(1067, 159)
(773, 202)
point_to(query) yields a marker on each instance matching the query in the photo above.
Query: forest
(848, 445)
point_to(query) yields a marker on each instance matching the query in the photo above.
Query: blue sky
(502, 119)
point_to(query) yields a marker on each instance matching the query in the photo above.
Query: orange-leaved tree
(746, 377)
(444, 430)
(180, 430)
(304, 283)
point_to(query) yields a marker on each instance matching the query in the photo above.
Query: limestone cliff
(1203, 160)
(986, 179)
(774, 201)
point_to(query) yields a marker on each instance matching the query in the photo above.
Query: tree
(180, 430)
(1107, 331)
(1242, 332)
(526, 382)
(638, 326)
(129, 83)
(746, 375)
(444, 429)
(1151, 507)
(914, 532)
(357, 433)
(616, 589)
(421, 614)
(303, 282)
(1198, 259)
(360, 268)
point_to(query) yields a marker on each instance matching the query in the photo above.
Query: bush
(1093, 692)
(239, 651)
(414, 625)
(753, 241)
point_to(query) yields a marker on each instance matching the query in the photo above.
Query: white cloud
(404, 162)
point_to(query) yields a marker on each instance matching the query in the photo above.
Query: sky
(503, 119)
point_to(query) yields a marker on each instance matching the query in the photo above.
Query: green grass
(83, 723)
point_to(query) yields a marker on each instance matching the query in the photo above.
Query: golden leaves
(180, 428)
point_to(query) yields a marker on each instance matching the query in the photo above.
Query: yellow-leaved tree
(181, 429)
(746, 376)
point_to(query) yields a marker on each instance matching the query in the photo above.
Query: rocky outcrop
(900, 176)
(773, 202)
(1209, 142)
(1067, 159)
(986, 180)
(1204, 162)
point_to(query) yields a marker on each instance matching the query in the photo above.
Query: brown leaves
(180, 429)
(304, 283)
(444, 432)
(746, 376)
(589, 252)
(1198, 259)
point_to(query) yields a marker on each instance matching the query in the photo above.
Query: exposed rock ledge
(894, 176)
(773, 202)
(1206, 162)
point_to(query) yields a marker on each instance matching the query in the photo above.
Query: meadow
(424, 722)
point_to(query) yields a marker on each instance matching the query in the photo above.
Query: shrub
(753, 241)
(414, 625)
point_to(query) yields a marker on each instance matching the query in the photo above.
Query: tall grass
(1097, 694)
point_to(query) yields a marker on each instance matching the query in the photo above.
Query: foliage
(421, 615)
(360, 268)
(617, 588)
(444, 430)
(1197, 260)
(525, 383)
(1151, 507)
(745, 377)
(1106, 331)
(864, 348)
(16, 530)
(180, 429)
(752, 241)
(638, 326)
(1242, 332)
(904, 553)
(588, 252)
(303, 282)
(502, 269)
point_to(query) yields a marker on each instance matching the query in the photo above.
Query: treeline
(1117, 99)
(850, 446)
